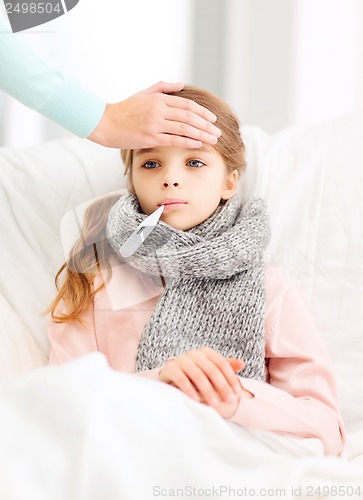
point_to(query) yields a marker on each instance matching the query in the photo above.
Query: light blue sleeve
(41, 86)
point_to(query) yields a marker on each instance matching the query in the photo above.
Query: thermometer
(140, 234)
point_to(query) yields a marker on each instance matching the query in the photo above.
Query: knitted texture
(214, 272)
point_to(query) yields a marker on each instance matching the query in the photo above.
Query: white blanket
(85, 432)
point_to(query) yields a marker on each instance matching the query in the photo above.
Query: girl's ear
(231, 184)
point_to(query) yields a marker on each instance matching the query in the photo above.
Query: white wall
(277, 62)
(328, 64)
(292, 62)
(114, 47)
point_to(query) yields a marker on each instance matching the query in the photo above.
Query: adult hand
(206, 376)
(152, 118)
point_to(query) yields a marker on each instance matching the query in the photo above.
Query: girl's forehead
(206, 148)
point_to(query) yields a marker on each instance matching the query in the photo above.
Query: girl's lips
(173, 206)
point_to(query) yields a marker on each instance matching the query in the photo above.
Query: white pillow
(19, 352)
(312, 179)
(38, 185)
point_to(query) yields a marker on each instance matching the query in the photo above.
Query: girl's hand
(205, 375)
(227, 410)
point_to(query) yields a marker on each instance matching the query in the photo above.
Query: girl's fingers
(217, 385)
(197, 374)
(173, 374)
(204, 374)
(236, 364)
(225, 367)
(185, 374)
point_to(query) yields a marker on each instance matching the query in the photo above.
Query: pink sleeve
(72, 339)
(301, 397)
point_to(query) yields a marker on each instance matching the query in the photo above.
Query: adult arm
(148, 118)
(41, 86)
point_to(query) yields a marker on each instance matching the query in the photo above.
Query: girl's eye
(195, 163)
(151, 164)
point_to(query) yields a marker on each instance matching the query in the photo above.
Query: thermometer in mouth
(140, 234)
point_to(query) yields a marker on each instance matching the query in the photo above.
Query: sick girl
(195, 306)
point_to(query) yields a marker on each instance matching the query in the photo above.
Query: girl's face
(196, 177)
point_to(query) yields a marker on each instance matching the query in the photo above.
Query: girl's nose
(171, 175)
(166, 184)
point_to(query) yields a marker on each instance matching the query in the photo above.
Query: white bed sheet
(83, 431)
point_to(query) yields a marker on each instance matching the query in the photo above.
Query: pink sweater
(300, 398)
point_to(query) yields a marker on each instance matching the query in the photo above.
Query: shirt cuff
(244, 414)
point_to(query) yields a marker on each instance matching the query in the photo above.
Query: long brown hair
(87, 258)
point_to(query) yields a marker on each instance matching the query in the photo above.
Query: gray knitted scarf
(214, 273)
